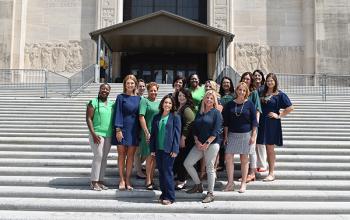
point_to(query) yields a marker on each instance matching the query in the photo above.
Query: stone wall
(333, 36)
(6, 9)
(57, 36)
(269, 35)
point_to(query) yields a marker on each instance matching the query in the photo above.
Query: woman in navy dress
(270, 129)
(127, 129)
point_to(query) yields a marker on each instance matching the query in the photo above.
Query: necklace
(236, 112)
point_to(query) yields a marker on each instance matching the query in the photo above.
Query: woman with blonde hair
(240, 127)
(126, 125)
(206, 130)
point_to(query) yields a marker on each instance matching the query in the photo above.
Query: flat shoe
(149, 186)
(166, 202)
(121, 187)
(129, 188)
(229, 187)
(102, 186)
(269, 178)
(95, 187)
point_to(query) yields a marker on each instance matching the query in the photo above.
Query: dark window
(191, 9)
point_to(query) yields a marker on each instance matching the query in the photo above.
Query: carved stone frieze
(58, 57)
(220, 14)
(279, 59)
(108, 13)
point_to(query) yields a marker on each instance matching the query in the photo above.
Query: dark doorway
(162, 68)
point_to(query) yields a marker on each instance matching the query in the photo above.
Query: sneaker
(197, 188)
(208, 198)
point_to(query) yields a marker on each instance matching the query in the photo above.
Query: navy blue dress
(270, 129)
(127, 119)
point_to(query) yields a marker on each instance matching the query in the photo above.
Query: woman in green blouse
(99, 114)
(149, 107)
(196, 89)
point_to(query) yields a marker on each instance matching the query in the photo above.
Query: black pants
(179, 168)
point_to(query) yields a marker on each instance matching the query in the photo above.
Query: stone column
(308, 22)
(220, 15)
(19, 33)
(110, 12)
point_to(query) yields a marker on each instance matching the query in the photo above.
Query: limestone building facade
(283, 36)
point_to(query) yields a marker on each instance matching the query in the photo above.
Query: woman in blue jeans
(164, 144)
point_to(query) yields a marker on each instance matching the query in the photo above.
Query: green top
(103, 115)
(254, 97)
(226, 99)
(197, 95)
(161, 132)
(148, 109)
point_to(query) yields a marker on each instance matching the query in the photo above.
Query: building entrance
(162, 68)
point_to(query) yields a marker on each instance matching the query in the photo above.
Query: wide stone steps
(145, 206)
(45, 161)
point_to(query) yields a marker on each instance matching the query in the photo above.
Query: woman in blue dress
(270, 129)
(127, 129)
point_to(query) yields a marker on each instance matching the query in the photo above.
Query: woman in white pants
(206, 130)
(99, 114)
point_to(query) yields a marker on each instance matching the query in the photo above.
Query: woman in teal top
(149, 107)
(99, 114)
(196, 89)
(164, 144)
(248, 78)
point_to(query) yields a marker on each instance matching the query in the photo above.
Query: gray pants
(261, 156)
(99, 161)
(209, 157)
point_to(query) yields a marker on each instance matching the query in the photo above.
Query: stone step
(336, 181)
(306, 169)
(44, 215)
(147, 206)
(114, 194)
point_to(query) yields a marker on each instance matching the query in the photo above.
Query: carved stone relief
(108, 13)
(279, 59)
(57, 57)
(220, 15)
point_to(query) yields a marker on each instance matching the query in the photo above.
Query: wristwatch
(207, 142)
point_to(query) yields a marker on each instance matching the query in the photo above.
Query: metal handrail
(322, 85)
(47, 81)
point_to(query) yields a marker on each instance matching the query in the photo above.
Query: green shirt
(197, 95)
(103, 115)
(161, 132)
(148, 109)
(226, 99)
(254, 97)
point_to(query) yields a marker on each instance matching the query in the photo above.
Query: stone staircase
(45, 164)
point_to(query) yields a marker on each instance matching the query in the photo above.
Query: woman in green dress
(196, 89)
(149, 107)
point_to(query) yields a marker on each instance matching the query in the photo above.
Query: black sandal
(149, 186)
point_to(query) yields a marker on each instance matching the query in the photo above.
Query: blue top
(208, 124)
(127, 119)
(172, 133)
(270, 129)
(240, 118)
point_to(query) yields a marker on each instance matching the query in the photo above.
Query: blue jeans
(166, 177)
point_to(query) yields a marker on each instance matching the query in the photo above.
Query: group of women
(190, 132)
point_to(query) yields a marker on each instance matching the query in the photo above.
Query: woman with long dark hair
(185, 108)
(261, 157)
(164, 145)
(270, 129)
